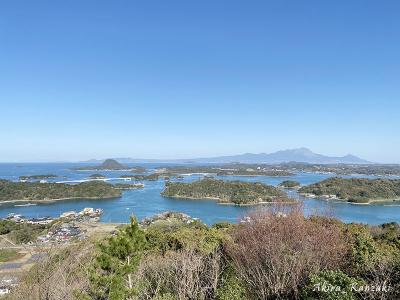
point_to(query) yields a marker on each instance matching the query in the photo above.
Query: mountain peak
(302, 155)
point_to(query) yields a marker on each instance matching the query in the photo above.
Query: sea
(147, 202)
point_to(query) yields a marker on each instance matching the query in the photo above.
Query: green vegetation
(332, 285)
(356, 189)
(34, 191)
(111, 273)
(128, 186)
(227, 170)
(253, 172)
(341, 169)
(8, 255)
(290, 184)
(97, 176)
(21, 233)
(150, 177)
(37, 177)
(277, 254)
(138, 169)
(236, 192)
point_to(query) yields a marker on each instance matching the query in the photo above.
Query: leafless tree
(187, 274)
(277, 248)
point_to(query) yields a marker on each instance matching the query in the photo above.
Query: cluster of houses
(63, 233)
(87, 214)
(169, 217)
(6, 284)
(21, 219)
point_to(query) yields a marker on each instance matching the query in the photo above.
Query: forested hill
(34, 191)
(359, 190)
(235, 192)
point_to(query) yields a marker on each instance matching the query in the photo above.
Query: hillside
(174, 256)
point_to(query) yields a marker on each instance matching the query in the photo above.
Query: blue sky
(180, 79)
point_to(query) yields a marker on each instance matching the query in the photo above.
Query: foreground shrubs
(58, 275)
(185, 274)
(331, 285)
(277, 253)
(111, 275)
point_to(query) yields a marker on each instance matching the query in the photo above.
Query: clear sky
(180, 79)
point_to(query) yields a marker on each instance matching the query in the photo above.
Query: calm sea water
(147, 202)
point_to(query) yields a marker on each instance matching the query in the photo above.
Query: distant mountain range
(303, 155)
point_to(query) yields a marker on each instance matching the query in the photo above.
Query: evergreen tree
(112, 273)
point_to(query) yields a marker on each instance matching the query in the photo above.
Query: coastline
(256, 175)
(231, 203)
(56, 199)
(339, 200)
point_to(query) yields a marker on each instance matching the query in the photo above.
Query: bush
(331, 285)
(231, 287)
(186, 274)
(201, 238)
(276, 251)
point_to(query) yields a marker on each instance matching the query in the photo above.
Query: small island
(97, 176)
(226, 192)
(41, 192)
(355, 190)
(111, 165)
(150, 177)
(128, 186)
(290, 184)
(37, 177)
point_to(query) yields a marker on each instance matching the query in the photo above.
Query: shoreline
(256, 175)
(339, 200)
(56, 199)
(232, 203)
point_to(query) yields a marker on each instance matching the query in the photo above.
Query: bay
(148, 201)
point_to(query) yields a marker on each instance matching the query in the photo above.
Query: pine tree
(111, 274)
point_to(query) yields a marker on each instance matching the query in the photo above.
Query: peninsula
(355, 190)
(226, 192)
(38, 192)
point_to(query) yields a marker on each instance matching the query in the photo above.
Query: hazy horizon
(96, 79)
(160, 159)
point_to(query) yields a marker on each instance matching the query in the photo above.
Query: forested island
(34, 191)
(97, 176)
(37, 177)
(128, 186)
(150, 177)
(357, 190)
(112, 165)
(226, 192)
(290, 184)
